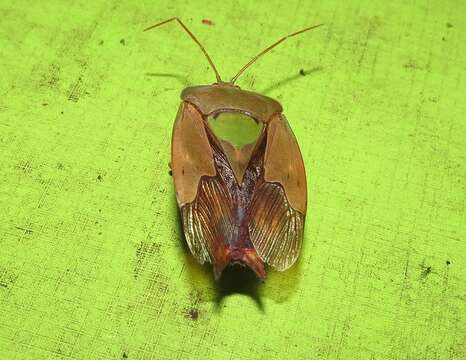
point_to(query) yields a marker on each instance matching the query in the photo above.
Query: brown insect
(239, 175)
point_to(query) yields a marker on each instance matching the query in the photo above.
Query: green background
(92, 261)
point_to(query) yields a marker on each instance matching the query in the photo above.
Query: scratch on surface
(7, 278)
(49, 78)
(406, 268)
(25, 167)
(144, 249)
(425, 270)
(26, 230)
(76, 90)
(413, 65)
(47, 183)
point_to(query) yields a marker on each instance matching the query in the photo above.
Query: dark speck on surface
(100, 178)
(426, 270)
(208, 22)
(125, 355)
(123, 42)
(193, 314)
(302, 73)
(449, 25)
(448, 262)
(170, 173)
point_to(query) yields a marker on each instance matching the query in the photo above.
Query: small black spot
(170, 173)
(100, 178)
(448, 262)
(124, 356)
(449, 25)
(101, 42)
(302, 73)
(44, 104)
(61, 112)
(443, 38)
(123, 42)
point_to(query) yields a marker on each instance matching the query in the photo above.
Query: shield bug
(239, 175)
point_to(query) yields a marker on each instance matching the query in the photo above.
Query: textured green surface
(92, 263)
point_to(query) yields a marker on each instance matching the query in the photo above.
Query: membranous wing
(207, 220)
(278, 206)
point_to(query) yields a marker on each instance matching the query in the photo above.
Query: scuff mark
(192, 314)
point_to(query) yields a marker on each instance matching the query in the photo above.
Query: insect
(239, 175)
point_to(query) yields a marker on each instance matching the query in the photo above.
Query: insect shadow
(235, 279)
(238, 279)
(182, 79)
(291, 78)
(303, 72)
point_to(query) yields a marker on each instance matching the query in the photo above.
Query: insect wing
(208, 221)
(278, 205)
(203, 199)
(191, 153)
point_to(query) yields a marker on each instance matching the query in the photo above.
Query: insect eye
(236, 128)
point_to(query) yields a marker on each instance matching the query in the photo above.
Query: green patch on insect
(235, 128)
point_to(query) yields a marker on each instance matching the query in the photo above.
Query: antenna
(217, 75)
(253, 60)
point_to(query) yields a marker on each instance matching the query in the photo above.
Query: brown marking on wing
(283, 163)
(191, 153)
(275, 228)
